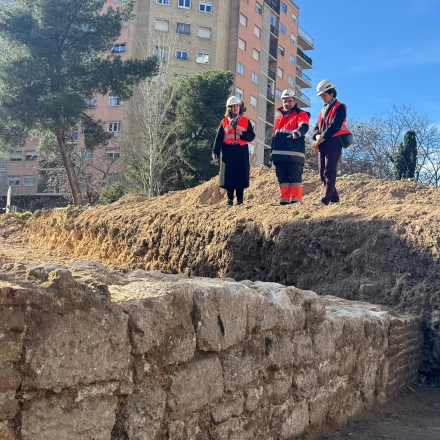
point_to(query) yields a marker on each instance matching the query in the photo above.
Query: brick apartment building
(259, 40)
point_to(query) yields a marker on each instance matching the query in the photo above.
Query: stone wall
(92, 354)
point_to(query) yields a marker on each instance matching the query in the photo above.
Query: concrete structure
(260, 41)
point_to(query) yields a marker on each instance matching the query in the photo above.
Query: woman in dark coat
(231, 147)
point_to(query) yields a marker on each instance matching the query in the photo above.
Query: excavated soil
(380, 244)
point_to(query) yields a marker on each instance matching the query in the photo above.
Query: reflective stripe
(284, 130)
(296, 193)
(288, 153)
(229, 136)
(295, 184)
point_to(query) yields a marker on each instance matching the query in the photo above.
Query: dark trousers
(328, 158)
(238, 191)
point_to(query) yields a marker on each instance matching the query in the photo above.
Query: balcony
(274, 4)
(301, 99)
(272, 75)
(305, 40)
(302, 79)
(304, 61)
(270, 96)
(273, 47)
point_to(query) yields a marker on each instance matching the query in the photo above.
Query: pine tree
(405, 160)
(56, 55)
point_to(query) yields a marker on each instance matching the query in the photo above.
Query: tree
(405, 160)
(148, 146)
(55, 58)
(199, 110)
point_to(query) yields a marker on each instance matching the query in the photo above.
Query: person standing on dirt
(231, 148)
(288, 148)
(331, 135)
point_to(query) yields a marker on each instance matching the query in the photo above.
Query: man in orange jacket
(288, 148)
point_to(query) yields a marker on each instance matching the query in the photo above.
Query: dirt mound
(380, 244)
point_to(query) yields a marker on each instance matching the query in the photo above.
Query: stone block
(324, 341)
(304, 384)
(9, 378)
(318, 408)
(6, 431)
(253, 397)
(187, 429)
(8, 405)
(229, 407)
(303, 354)
(242, 364)
(278, 390)
(233, 429)
(160, 321)
(226, 313)
(142, 415)
(196, 385)
(65, 348)
(60, 417)
(291, 419)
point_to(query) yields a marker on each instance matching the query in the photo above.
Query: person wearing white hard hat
(232, 150)
(331, 135)
(288, 148)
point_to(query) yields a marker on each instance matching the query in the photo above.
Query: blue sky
(378, 52)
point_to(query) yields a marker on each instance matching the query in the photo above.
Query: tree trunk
(68, 165)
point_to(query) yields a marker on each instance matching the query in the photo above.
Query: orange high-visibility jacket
(285, 148)
(230, 131)
(329, 118)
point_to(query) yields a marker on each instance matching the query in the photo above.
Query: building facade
(260, 41)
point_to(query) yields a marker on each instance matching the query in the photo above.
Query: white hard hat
(325, 85)
(232, 101)
(288, 93)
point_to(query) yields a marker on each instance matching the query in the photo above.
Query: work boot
(230, 202)
(284, 203)
(239, 202)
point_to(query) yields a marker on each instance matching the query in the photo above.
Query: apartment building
(259, 40)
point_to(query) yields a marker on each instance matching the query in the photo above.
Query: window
(91, 102)
(184, 4)
(183, 28)
(115, 102)
(205, 7)
(161, 52)
(16, 157)
(182, 55)
(292, 38)
(281, 50)
(119, 48)
(242, 44)
(202, 58)
(282, 29)
(280, 72)
(292, 60)
(112, 152)
(30, 155)
(14, 180)
(163, 2)
(254, 101)
(284, 7)
(256, 55)
(204, 32)
(257, 31)
(239, 93)
(254, 78)
(114, 127)
(29, 180)
(162, 25)
(291, 80)
(258, 8)
(241, 69)
(86, 153)
(243, 20)
(278, 93)
(294, 18)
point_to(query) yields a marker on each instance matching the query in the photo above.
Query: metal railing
(274, 30)
(306, 36)
(270, 96)
(303, 76)
(304, 56)
(303, 97)
(272, 75)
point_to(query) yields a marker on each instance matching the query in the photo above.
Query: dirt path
(413, 416)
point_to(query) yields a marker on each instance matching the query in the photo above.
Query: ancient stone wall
(91, 354)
